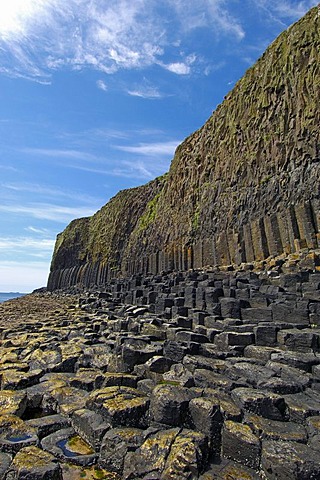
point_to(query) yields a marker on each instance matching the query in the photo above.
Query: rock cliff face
(242, 188)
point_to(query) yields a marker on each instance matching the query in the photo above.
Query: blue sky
(95, 95)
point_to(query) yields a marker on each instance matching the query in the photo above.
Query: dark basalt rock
(283, 460)
(32, 462)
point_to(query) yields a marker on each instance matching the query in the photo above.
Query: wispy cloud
(40, 36)
(179, 68)
(41, 231)
(213, 14)
(152, 149)
(24, 243)
(9, 168)
(46, 211)
(282, 11)
(102, 85)
(56, 153)
(49, 191)
(146, 91)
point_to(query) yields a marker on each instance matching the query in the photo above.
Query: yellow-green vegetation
(31, 458)
(168, 382)
(149, 215)
(241, 430)
(73, 472)
(77, 445)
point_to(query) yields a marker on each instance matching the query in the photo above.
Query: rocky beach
(196, 375)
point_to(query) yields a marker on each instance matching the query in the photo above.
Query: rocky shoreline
(196, 375)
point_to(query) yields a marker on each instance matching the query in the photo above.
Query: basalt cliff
(242, 188)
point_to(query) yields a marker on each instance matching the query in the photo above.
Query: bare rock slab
(120, 406)
(240, 444)
(284, 460)
(172, 454)
(268, 405)
(33, 463)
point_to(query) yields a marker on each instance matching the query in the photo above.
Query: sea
(10, 295)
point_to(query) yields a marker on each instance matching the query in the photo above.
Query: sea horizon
(4, 296)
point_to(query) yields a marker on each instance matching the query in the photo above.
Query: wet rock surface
(94, 386)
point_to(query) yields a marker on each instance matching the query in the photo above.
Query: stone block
(90, 425)
(257, 314)
(229, 339)
(268, 405)
(32, 462)
(116, 444)
(266, 335)
(289, 460)
(207, 418)
(300, 360)
(187, 337)
(169, 404)
(240, 444)
(303, 405)
(174, 350)
(268, 429)
(289, 312)
(299, 341)
(230, 307)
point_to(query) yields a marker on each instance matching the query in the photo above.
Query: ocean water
(9, 295)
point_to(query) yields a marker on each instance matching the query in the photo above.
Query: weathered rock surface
(137, 392)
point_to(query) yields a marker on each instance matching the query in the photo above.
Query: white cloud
(41, 231)
(23, 243)
(56, 153)
(212, 14)
(145, 92)
(39, 36)
(152, 149)
(285, 10)
(102, 85)
(45, 211)
(178, 68)
(51, 192)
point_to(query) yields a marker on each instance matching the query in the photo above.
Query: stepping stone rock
(15, 434)
(224, 469)
(12, 402)
(268, 405)
(268, 429)
(87, 379)
(169, 454)
(90, 425)
(65, 445)
(17, 380)
(33, 463)
(64, 400)
(120, 406)
(115, 446)
(289, 460)
(240, 444)
(180, 375)
(303, 405)
(206, 418)
(5, 461)
(44, 426)
(169, 404)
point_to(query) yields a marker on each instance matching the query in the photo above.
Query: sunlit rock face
(242, 188)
